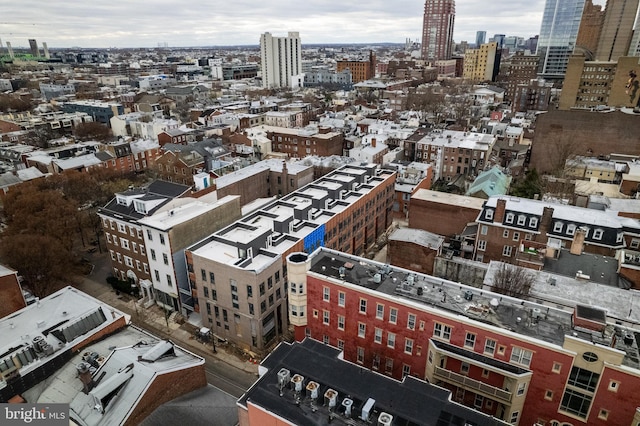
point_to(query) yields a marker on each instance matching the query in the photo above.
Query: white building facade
(281, 61)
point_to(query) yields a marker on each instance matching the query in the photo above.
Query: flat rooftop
(549, 322)
(320, 367)
(450, 199)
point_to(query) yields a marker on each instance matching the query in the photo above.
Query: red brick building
(300, 143)
(519, 361)
(10, 292)
(360, 70)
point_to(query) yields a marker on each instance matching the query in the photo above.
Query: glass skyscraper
(558, 33)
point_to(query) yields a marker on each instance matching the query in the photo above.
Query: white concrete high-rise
(281, 61)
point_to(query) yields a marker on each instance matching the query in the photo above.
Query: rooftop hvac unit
(367, 409)
(377, 278)
(385, 419)
(297, 382)
(468, 295)
(330, 398)
(312, 390)
(39, 343)
(410, 279)
(347, 403)
(284, 376)
(535, 313)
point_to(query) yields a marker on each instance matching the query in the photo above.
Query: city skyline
(147, 24)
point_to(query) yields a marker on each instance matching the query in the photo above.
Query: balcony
(472, 384)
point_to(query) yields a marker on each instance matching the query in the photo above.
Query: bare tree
(512, 280)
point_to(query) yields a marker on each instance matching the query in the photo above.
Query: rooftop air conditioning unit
(347, 403)
(297, 382)
(312, 390)
(330, 398)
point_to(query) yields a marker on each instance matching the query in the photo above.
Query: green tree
(529, 186)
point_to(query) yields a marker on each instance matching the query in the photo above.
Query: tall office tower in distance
(33, 44)
(281, 61)
(481, 37)
(558, 34)
(589, 31)
(437, 29)
(617, 29)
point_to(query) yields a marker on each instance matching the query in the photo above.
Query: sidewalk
(153, 318)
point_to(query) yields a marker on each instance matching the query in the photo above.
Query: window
(516, 236)
(165, 258)
(576, 403)
(325, 339)
(262, 289)
(363, 306)
(514, 417)
(557, 367)
(442, 331)
(169, 282)
(533, 222)
(464, 367)
(521, 356)
(521, 388)
(614, 385)
(340, 298)
(153, 254)
(124, 243)
(362, 329)
(157, 274)
(406, 370)
(379, 311)
(162, 239)
(583, 379)
(206, 292)
(479, 401)
(482, 245)
(548, 395)
(485, 373)
(509, 218)
(506, 251)
(484, 229)
(505, 233)
(325, 317)
(489, 214)
(603, 414)
(597, 234)
(391, 340)
(249, 290)
(408, 346)
(376, 362)
(635, 243)
(489, 347)
(212, 278)
(411, 322)
(377, 336)
(388, 365)
(325, 293)
(360, 355)
(590, 356)
(470, 340)
(571, 229)
(340, 322)
(557, 226)
(393, 315)
(203, 273)
(341, 344)
(522, 219)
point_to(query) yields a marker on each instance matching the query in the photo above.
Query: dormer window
(557, 226)
(122, 201)
(489, 214)
(522, 219)
(619, 238)
(140, 207)
(510, 217)
(571, 229)
(597, 234)
(533, 222)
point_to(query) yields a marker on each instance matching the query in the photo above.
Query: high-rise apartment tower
(617, 29)
(281, 61)
(437, 29)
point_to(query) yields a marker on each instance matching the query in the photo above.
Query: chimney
(578, 241)
(545, 224)
(373, 142)
(500, 208)
(85, 377)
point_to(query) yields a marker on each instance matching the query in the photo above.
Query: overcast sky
(145, 23)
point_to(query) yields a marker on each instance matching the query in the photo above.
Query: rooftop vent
(297, 382)
(367, 409)
(347, 403)
(284, 376)
(312, 390)
(330, 398)
(385, 419)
